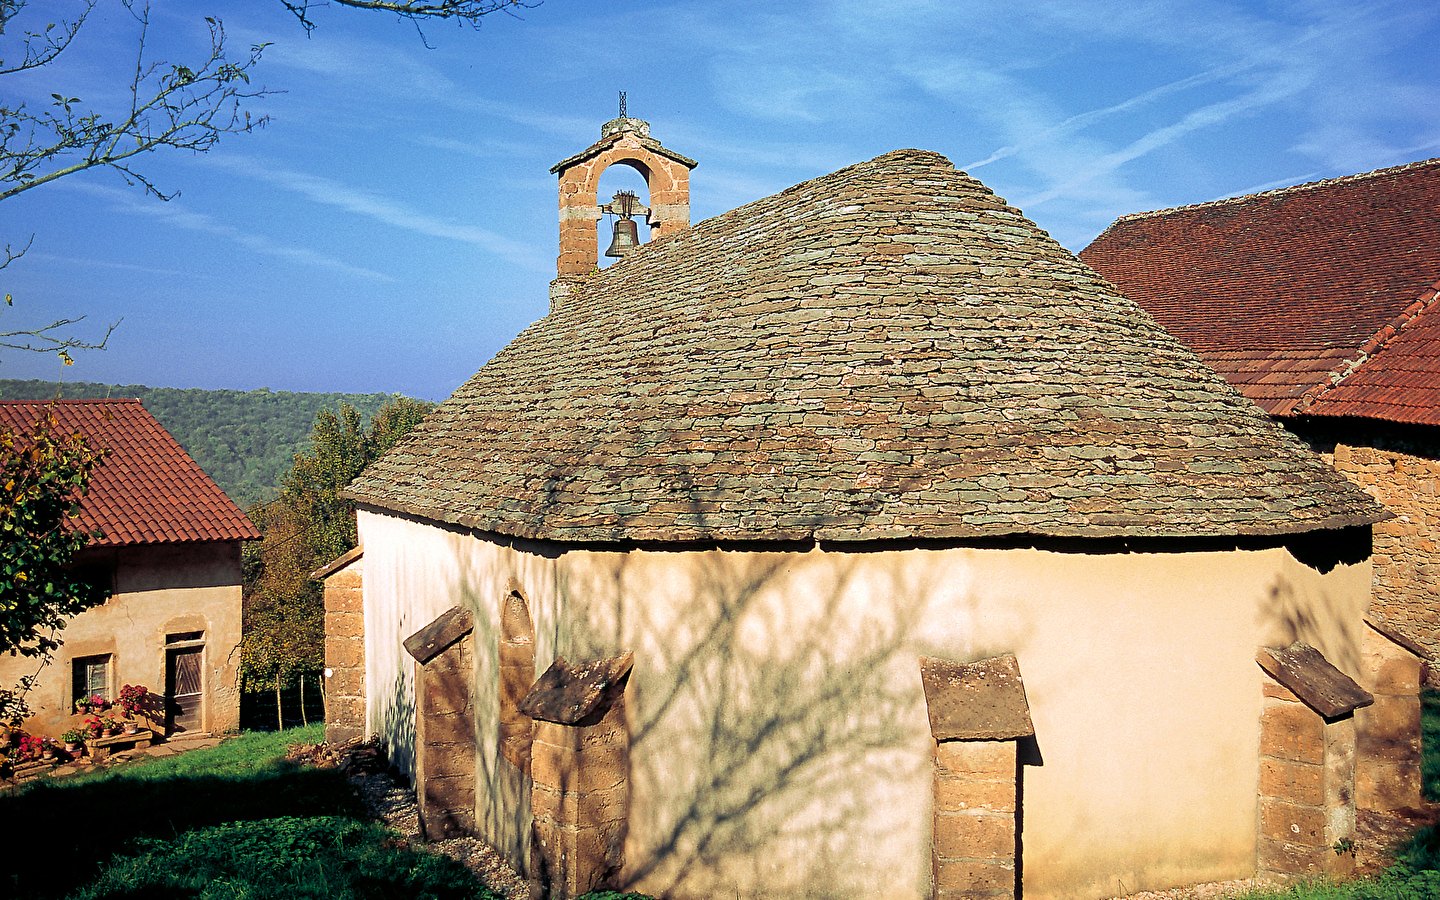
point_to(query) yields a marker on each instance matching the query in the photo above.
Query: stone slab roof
(148, 491)
(888, 351)
(1315, 299)
(978, 701)
(571, 695)
(1312, 678)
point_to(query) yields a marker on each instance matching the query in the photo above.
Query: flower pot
(71, 747)
(107, 732)
(131, 728)
(47, 754)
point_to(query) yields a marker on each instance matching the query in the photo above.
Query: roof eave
(683, 535)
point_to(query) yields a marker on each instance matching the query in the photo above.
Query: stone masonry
(1388, 763)
(445, 759)
(580, 763)
(1307, 766)
(445, 740)
(977, 713)
(974, 849)
(1407, 547)
(517, 675)
(344, 647)
(626, 141)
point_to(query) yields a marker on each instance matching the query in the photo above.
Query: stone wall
(345, 652)
(1388, 768)
(974, 851)
(1307, 777)
(445, 743)
(628, 142)
(1407, 564)
(517, 674)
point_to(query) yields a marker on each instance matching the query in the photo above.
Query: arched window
(517, 674)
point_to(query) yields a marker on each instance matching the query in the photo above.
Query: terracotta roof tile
(1320, 279)
(889, 351)
(148, 490)
(1400, 379)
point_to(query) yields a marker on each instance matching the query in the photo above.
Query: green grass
(237, 820)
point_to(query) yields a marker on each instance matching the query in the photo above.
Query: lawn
(238, 820)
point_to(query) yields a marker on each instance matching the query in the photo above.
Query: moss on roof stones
(885, 352)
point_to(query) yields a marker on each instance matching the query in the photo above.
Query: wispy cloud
(174, 214)
(104, 264)
(1095, 116)
(381, 208)
(1208, 116)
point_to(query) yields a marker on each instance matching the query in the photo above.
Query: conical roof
(888, 351)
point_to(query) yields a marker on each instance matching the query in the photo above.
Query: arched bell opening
(665, 201)
(616, 232)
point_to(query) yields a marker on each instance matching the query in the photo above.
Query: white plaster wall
(780, 740)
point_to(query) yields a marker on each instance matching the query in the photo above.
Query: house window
(91, 677)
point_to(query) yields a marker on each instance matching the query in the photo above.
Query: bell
(627, 238)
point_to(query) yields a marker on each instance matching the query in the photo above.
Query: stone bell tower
(626, 141)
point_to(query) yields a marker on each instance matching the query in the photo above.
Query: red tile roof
(1400, 379)
(148, 491)
(1311, 299)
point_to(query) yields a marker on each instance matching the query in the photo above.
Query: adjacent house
(1319, 302)
(171, 553)
(862, 541)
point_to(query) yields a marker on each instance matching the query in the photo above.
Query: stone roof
(1315, 299)
(148, 490)
(888, 351)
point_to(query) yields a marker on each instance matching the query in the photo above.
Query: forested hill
(243, 440)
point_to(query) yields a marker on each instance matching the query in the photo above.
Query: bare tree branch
(465, 11)
(170, 106)
(39, 47)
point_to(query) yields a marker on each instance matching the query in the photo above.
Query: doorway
(184, 690)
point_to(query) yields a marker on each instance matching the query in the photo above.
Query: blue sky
(394, 225)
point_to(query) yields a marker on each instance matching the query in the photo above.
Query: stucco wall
(159, 590)
(779, 734)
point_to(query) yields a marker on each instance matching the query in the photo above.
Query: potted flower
(73, 739)
(47, 749)
(98, 703)
(82, 706)
(92, 726)
(134, 699)
(30, 748)
(108, 727)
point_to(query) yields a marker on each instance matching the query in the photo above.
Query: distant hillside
(243, 440)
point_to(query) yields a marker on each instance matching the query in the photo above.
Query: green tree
(43, 476)
(310, 524)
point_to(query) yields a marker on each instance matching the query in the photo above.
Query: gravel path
(1211, 891)
(395, 806)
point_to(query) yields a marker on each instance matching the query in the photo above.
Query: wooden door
(184, 690)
